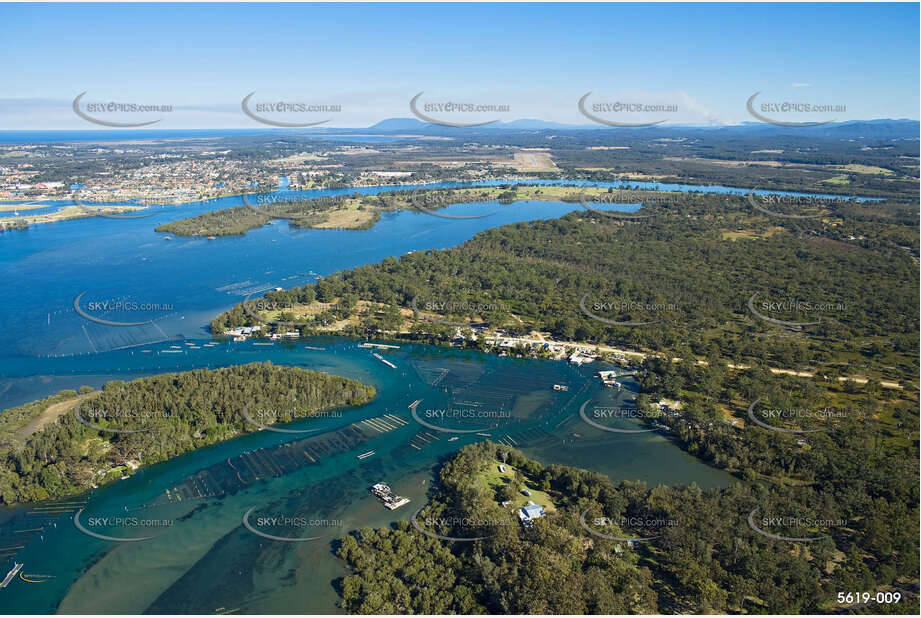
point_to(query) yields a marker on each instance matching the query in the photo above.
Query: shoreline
(130, 467)
(18, 222)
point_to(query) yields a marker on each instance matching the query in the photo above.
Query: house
(501, 467)
(530, 512)
(526, 491)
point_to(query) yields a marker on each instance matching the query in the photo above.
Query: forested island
(46, 451)
(700, 555)
(357, 211)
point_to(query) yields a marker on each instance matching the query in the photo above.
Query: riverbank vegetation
(840, 288)
(705, 557)
(131, 424)
(357, 211)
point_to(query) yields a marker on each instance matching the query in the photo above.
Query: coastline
(125, 469)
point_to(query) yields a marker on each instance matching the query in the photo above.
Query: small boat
(386, 495)
(452, 439)
(17, 566)
(383, 360)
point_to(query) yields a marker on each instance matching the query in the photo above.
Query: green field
(492, 481)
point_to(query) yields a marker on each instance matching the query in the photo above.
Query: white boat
(386, 495)
(17, 566)
(383, 360)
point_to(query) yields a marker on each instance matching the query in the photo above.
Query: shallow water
(206, 560)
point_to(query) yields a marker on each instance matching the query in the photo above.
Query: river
(200, 557)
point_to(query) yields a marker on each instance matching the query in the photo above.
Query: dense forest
(166, 415)
(690, 271)
(823, 430)
(706, 558)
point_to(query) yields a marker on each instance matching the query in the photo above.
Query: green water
(207, 560)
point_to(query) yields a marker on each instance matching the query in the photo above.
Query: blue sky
(538, 59)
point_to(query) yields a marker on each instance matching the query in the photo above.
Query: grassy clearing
(863, 169)
(491, 481)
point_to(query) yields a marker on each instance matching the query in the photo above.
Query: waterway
(201, 558)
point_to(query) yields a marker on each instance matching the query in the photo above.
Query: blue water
(52, 207)
(206, 561)
(97, 576)
(184, 282)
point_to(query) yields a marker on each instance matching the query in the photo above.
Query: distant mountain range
(881, 128)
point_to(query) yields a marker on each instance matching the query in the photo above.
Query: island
(73, 441)
(359, 212)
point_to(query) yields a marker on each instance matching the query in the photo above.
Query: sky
(692, 63)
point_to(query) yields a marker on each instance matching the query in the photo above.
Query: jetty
(384, 360)
(17, 566)
(379, 346)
